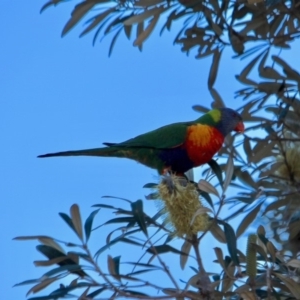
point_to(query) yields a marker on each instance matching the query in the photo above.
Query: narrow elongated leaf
(77, 14)
(76, 220)
(113, 41)
(96, 293)
(186, 247)
(207, 187)
(114, 266)
(104, 206)
(228, 173)
(217, 170)
(272, 250)
(200, 211)
(120, 220)
(50, 262)
(247, 149)
(250, 66)
(40, 286)
(219, 254)
(247, 220)
(218, 102)
(144, 15)
(139, 30)
(97, 19)
(50, 242)
(73, 268)
(84, 294)
(119, 239)
(200, 108)
(145, 34)
(164, 249)
(214, 68)
(127, 30)
(136, 293)
(48, 4)
(208, 199)
(245, 178)
(138, 264)
(30, 281)
(290, 72)
(138, 214)
(217, 232)
(231, 243)
(88, 224)
(52, 253)
(68, 220)
(147, 3)
(292, 285)
(295, 263)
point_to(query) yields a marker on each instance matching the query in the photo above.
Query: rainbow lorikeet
(176, 147)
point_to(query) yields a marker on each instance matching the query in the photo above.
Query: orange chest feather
(202, 143)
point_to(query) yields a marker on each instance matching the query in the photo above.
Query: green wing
(165, 137)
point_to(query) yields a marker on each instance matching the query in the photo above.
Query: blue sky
(62, 94)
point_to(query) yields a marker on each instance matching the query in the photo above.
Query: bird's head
(229, 120)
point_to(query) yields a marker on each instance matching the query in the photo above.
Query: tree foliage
(261, 170)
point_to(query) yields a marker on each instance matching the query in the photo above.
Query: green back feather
(169, 136)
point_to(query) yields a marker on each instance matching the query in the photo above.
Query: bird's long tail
(105, 151)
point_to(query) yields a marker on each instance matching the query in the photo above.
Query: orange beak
(240, 127)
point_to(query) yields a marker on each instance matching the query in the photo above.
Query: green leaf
(41, 285)
(73, 268)
(146, 33)
(96, 293)
(88, 224)
(137, 264)
(117, 198)
(135, 293)
(48, 4)
(119, 239)
(97, 19)
(164, 249)
(113, 42)
(247, 220)
(292, 285)
(76, 220)
(186, 247)
(30, 281)
(290, 72)
(228, 173)
(150, 185)
(218, 102)
(144, 15)
(207, 198)
(104, 206)
(68, 220)
(79, 11)
(139, 272)
(200, 108)
(231, 243)
(114, 266)
(219, 254)
(217, 232)
(120, 220)
(207, 187)
(138, 214)
(214, 68)
(250, 66)
(52, 253)
(139, 30)
(217, 170)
